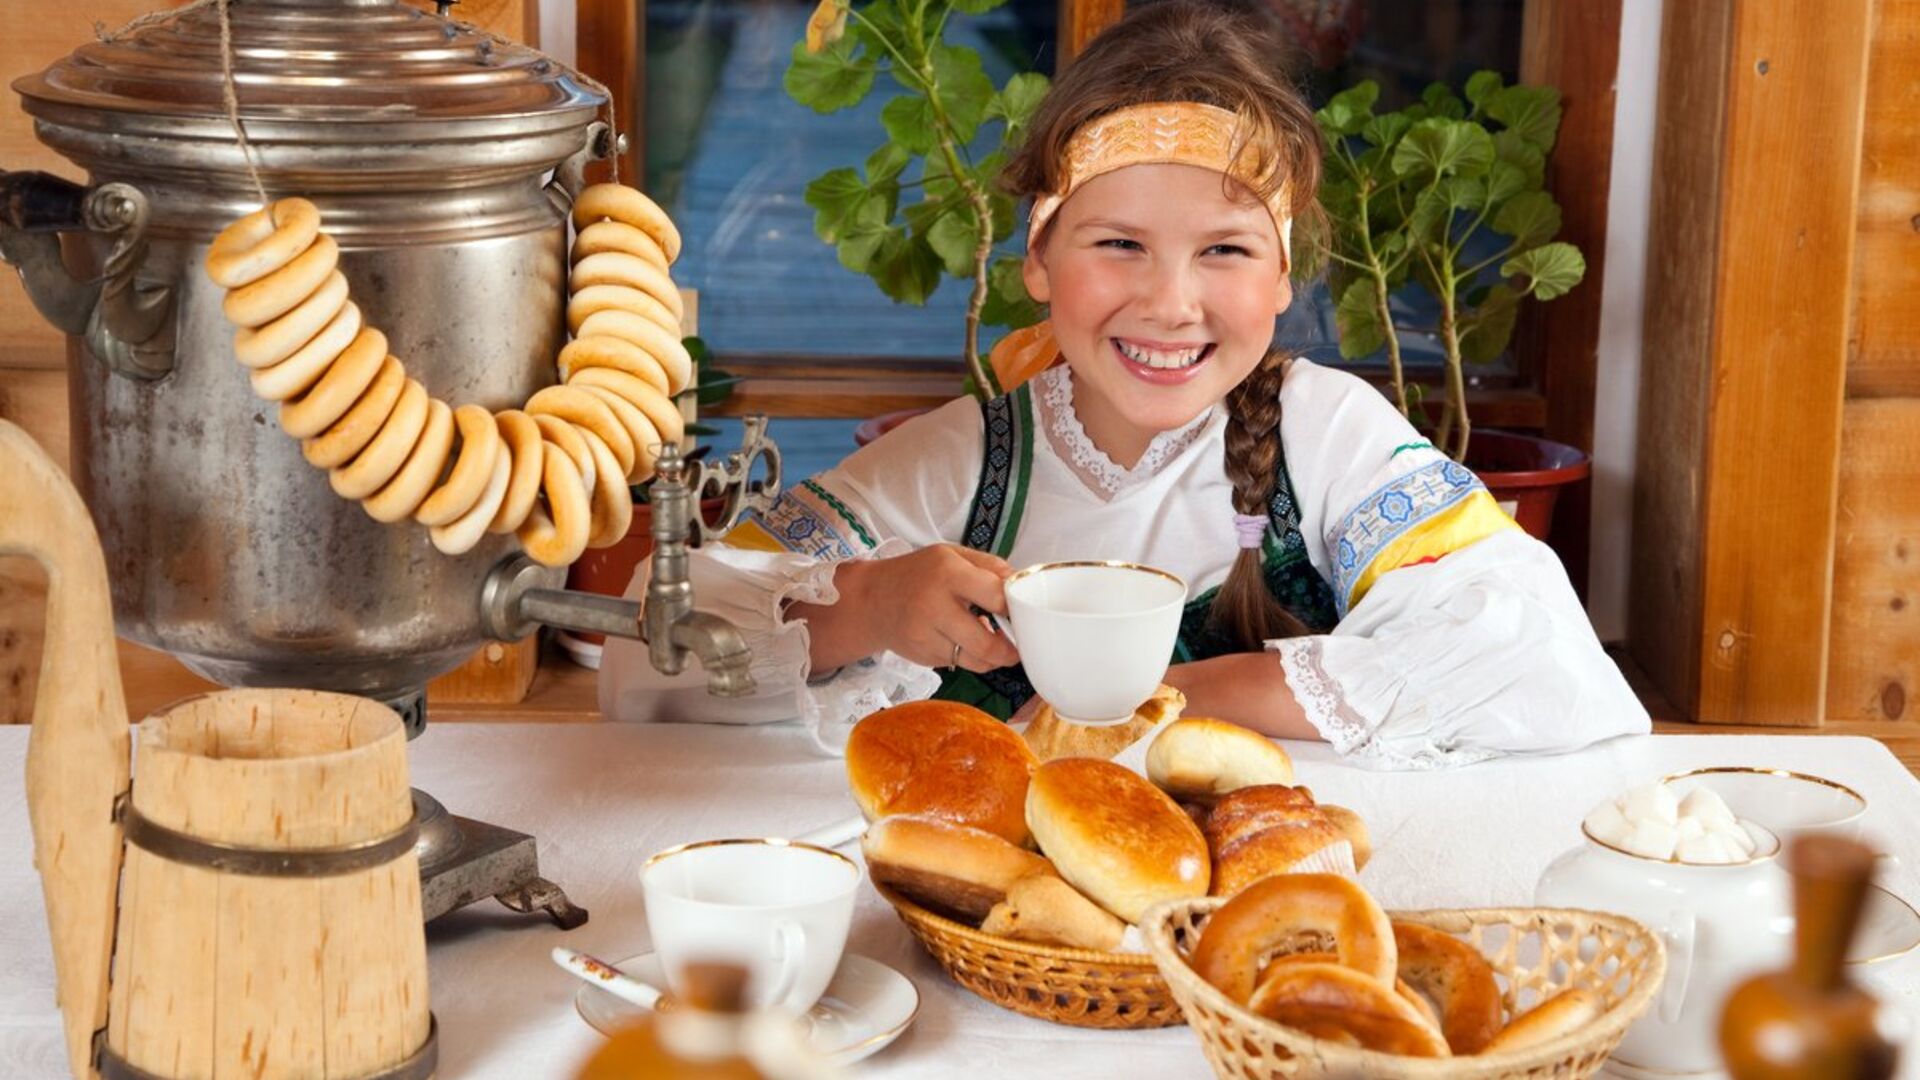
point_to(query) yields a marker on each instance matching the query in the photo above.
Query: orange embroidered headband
(1169, 133)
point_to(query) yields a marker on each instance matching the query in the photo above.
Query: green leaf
(977, 7)
(1504, 181)
(1015, 102)
(1486, 330)
(1358, 316)
(1003, 214)
(906, 268)
(887, 163)
(836, 196)
(1385, 130)
(879, 26)
(1531, 218)
(1432, 214)
(1551, 269)
(1440, 102)
(1482, 85)
(909, 122)
(1511, 148)
(1444, 146)
(716, 386)
(864, 238)
(1348, 110)
(1007, 301)
(1464, 192)
(831, 79)
(963, 88)
(1532, 112)
(955, 237)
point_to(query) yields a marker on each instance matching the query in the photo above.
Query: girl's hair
(1199, 51)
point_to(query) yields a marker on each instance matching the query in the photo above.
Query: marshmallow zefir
(1168, 133)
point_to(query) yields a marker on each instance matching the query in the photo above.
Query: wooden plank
(1885, 353)
(498, 672)
(1796, 90)
(516, 20)
(1683, 231)
(1875, 668)
(1080, 22)
(37, 402)
(36, 399)
(1575, 47)
(608, 36)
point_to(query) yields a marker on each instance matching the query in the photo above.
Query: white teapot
(1721, 923)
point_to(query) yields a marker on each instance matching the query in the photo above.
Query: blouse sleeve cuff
(1352, 735)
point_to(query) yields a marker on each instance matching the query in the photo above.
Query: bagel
(267, 345)
(283, 289)
(261, 242)
(343, 384)
(659, 410)
(568, 439)
(646, 440)
(521, 442)
(1268, 915)
(605, 350)
(350, 434)
(1562, 1014)
(629, 206)
(425, 462)
(617, 236)
(472, 469)
(292, 376)
(589, 413)
(589, 300)
(1413, 997)
(612, 500)
(458, 536)
(664, 346)
(557, 538)
(1456, 978)
(1341, 1005)
(370, 469)
(620, 268)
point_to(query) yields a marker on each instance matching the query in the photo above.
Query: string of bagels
(556, 472)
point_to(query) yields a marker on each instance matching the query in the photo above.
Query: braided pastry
(555, 473)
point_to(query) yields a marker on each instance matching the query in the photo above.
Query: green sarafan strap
(1006, 467)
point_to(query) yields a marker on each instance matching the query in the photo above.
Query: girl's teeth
(1158, 359)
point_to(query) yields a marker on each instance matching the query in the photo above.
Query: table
(602, 797)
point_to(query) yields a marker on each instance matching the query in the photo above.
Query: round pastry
(262, 242)
(1044, 908)
(1353, 829)
(946, 867)
(1562, 1014)
(1413, 997)
(1114, 836)
(1339, 1004)
(1457, 979)
(1201, 759)
(1051, 737)
(945, 759)
(1269, 915)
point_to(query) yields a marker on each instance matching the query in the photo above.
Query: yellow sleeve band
(1472, 519)
(751, 536)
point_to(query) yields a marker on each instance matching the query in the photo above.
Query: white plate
(866, 1006)
(1889, 927)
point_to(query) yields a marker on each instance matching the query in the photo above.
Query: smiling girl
(1349, 582)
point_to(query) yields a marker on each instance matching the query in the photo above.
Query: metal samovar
(443, 161)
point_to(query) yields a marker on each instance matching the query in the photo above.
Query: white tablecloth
(602, 797)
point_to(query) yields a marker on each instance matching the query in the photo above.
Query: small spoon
(608, 978)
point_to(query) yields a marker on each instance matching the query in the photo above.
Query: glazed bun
(1199, 759)
(941, 759)
(1242, 813)
(1257, 832)
(1051, 737)
(1045, 909)
(946, 867)
(1114, 836)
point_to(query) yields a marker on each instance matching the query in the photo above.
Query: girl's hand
(919, 606)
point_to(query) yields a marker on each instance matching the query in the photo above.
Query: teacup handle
(1678, 933)
(1003, 627)
(793, 953)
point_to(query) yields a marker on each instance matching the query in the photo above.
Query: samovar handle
(570, 176)
(128, 324)
(77, 752)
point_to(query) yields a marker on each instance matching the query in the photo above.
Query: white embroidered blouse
(1456, 642)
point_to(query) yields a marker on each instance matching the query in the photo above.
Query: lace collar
(1096, 470)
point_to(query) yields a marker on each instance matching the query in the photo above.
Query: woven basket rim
(1154, 925)
(974, 936)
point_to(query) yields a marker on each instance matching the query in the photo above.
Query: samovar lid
(369, 87)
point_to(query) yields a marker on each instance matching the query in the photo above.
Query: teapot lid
(368, 87)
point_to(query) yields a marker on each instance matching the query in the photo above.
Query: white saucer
(1889, 927)
(866, 1006)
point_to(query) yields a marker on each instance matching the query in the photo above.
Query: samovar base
(486, 860)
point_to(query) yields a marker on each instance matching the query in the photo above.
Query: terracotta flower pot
(1526, 474)
(609, 570)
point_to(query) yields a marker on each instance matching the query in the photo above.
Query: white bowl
(1788, 803)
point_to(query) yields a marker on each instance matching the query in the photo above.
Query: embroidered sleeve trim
(803, 520)
(1393, 509)
(840, 508)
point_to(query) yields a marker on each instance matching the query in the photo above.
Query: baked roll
(946, 867)
(1051, 737)
(1114, 836)
(943, 759)
(1198, 759)
(1044, 908)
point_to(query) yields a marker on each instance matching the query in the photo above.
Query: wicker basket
(1535, 953)
(1067, 986)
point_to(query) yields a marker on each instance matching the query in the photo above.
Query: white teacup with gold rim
(779, 908)
(1095, 638)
